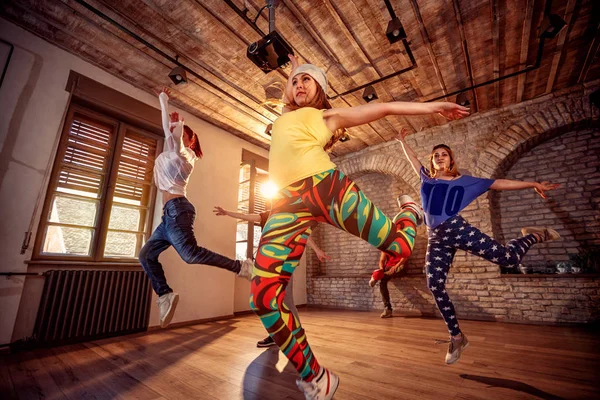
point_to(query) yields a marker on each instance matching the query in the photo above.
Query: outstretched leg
(337, 200)
(179, 222)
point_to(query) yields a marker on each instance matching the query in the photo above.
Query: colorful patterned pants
(328, 197)
(456, 233)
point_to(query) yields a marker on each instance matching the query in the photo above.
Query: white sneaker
(321, 388)
(246, 269)
(372, 282)
(407, 202)
(166, 306)
(455, 349)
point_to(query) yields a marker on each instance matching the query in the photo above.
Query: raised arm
(172, 124)
(539, 187)
(320, 253)
(340, 118)
(163, 98)
(411, 156)
(288, 94)
(219, 211)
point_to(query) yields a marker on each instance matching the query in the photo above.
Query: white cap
(315, 72)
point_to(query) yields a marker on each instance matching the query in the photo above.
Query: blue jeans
(177, 230)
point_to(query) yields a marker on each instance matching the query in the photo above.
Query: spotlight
(177, 75)
(395, 31)
(345, 138)
(595, 98)
(551, 25)
(463, 100)
(369, 94)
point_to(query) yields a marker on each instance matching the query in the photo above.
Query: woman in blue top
(444, 193)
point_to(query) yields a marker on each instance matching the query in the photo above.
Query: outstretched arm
(340, 118)
(411, 156)
(219, 211)
(320, 253)
(539, 187)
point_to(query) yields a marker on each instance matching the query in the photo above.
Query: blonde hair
(453, 171)
(320, 102)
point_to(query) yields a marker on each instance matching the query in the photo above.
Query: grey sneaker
(372, 282)
(321, 388)
(455, 349)
(166, 307)
(405, 202)
(387, 313)
(246, 269)
(546, 234)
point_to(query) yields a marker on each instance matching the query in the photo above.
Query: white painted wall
(32, 104)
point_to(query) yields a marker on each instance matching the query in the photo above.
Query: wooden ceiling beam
(244, 97)
(562, 37)
(466, 56)
(526, 33)
(591, 55)
(496, 49)
(429, 46)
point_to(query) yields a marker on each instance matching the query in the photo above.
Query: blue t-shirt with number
(444, 199)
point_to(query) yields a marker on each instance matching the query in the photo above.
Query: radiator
(79, 305)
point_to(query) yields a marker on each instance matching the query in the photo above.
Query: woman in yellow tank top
(312, 190)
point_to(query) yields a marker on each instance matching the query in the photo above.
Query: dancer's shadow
(270, 375)
(514, 385)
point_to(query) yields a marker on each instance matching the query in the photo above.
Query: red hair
(194, 141)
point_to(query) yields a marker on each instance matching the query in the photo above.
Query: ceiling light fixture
(551, 25)
(369, 94)
(395, 31)
(177, 74)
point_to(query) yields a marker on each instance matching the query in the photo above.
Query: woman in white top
(172, 171)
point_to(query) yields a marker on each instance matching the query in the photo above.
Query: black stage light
(369, 94)
(395, 31)
(177, 75)
(551, 25)
(270, 52)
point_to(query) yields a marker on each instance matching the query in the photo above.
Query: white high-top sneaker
(246, 269)
(166, 306)
(407, 202)
(321, 388)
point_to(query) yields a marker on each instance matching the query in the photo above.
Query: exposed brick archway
(396, 167)
(558, 118)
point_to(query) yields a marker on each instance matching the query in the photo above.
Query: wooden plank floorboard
(375, 358)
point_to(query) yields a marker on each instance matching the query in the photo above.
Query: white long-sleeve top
(173, 167)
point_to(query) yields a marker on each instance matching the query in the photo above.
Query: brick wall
(494, 144)
(573, 160)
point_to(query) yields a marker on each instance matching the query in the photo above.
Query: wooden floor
(375, 359)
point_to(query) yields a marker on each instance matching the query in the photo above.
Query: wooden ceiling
(455, 43)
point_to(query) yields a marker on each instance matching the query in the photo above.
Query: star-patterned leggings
(456, 233)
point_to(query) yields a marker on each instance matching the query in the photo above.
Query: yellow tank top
(297, 140)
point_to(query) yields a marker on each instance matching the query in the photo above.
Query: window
(100, 196)
(250, 201)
